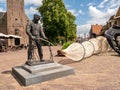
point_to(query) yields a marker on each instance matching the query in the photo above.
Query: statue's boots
(41, 60)
(29, 61)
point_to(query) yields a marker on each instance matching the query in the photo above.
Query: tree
(71, 31)
(57, 21)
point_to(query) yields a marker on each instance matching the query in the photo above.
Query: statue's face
(36, 18)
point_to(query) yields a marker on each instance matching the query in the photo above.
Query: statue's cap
(36, 15)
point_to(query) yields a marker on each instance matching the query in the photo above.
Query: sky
(87, 12)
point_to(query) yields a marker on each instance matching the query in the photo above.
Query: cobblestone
(98, 72)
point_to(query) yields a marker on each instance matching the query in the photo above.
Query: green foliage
(57, 21)
(66, 44)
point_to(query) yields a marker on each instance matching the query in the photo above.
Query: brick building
(95, 30)
(14, 21)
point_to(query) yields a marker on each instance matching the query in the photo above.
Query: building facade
(117, 17)
(14, 21)
(114, 20)
(95, 30)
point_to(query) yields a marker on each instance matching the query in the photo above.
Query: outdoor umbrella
(14, 36)
(3, 35)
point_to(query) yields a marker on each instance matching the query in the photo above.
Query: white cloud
(27, 2)
(114, 3)
(109, 4)
(76, 13)
(2, 5)
(73, 11)
(90, 4)
(94, 12)
(99, 16)
(33, 2)
(2, 10)
(31, 11)
(83, 29)
(2, 1)
(103, 11)
(81, 12)
(68, 6)
(101, 5)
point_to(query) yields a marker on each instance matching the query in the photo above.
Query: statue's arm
(42, 32)
(28, 29)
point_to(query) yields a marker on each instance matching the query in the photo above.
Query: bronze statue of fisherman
(34, 31)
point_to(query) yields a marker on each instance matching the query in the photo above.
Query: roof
(2, 14)
(112, 17)
(96, 29)
(118, 13)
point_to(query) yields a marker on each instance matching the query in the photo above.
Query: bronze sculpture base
(28, 75)
(38, 62)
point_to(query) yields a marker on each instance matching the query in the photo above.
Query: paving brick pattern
(99, 72)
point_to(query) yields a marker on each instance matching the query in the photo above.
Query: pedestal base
(38, 62)
(29, 75)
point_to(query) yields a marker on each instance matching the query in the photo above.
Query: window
(17, 31)
(16, 19)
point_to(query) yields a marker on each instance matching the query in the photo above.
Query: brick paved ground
(99, 72)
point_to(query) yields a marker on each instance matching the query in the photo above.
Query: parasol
(14, 36)
(3, 35)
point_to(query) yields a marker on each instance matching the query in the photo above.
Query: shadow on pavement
(10, 72)
(115, 54)
(7, 72)
(66, 61)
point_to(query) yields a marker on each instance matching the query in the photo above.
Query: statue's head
(36, 17)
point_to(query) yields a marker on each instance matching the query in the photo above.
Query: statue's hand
(33, 38)
(46, 38)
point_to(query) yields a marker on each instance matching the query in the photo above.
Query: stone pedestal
(29, 75)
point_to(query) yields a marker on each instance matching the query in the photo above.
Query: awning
(9, 36)
(3, 35)
(14, 36)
